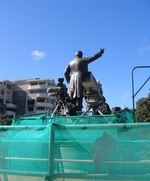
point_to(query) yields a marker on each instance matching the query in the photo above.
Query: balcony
(2, 96)
(38, 87)
(11, 113)
(44, 104)
(40, 111)
(42, 95)
(10, 105)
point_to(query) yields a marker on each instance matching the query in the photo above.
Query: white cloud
(37, 54)
(125, 95)
(143, 49)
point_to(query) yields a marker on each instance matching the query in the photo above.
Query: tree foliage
(142, 112)
(5, 120)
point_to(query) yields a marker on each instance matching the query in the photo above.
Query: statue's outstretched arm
(95, 56)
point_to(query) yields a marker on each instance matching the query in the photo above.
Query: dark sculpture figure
(73, 75)
(101, 149)
(63, 90)
(64, 101)
(103, 107)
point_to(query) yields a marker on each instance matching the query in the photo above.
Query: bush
(5, 120)
(142, 113)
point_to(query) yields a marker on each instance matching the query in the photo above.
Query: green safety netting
(110, 147)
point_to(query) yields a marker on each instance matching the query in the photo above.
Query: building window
(30, 109)
(55, 98)
(1, 109)
(8, 96)
(30, 104)
(2, 92)
(30, 101)
(32, 92)
(35, 83)
(38, 91)
(49, 101)
(40, 100)
(43, 91)
(8, 86)
(42, 83)
(1, 101)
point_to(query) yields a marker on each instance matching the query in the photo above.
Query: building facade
(25, 97)
(6, 95)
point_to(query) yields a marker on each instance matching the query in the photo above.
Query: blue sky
(38, 38)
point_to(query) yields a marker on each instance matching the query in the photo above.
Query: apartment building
(25, 97)
(6, 95)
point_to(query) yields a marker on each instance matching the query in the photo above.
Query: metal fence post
(51, 154)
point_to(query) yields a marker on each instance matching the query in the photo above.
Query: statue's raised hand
(102, 50)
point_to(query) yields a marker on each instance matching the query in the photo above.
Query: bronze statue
(73, 75)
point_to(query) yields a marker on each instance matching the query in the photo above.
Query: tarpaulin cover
(110, 147)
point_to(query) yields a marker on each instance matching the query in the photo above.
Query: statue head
(79, 54)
